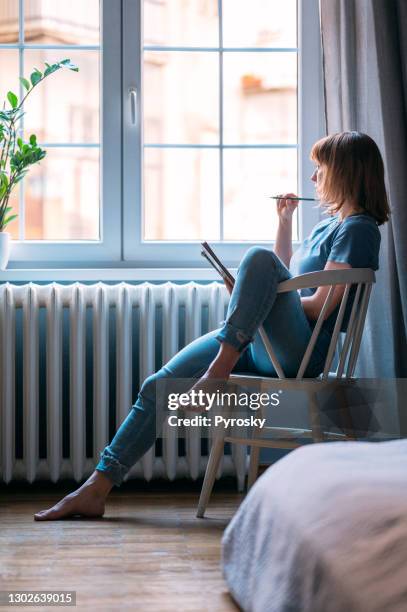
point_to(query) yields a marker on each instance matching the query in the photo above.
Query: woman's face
(318, 176)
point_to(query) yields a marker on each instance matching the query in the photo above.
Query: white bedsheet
(323, 530)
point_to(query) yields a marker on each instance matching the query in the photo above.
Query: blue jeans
(254, 301)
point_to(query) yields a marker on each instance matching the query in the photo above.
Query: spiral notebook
(216, 263)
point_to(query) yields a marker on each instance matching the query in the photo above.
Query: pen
(280, 198)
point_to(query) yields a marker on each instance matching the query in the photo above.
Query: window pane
(181, 207)
(181, 98)
(250, 176)
(9, 21)
(260, 98)
(67, 23)
(65, 107)
(8, 74)
(189, 23)
(260, 23)
(62, 196)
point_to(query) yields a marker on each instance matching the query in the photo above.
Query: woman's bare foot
(88, 500)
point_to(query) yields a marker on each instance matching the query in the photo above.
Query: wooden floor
(148, 552)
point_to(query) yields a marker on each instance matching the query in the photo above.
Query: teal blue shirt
(355, 240)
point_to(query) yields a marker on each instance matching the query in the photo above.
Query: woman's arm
(283, 246)
(313, 304)
(285, 211)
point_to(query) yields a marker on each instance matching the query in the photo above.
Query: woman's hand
(286, 207)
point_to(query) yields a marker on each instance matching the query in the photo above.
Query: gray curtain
(365, 80)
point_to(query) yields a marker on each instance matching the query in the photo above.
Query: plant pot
(5, 248)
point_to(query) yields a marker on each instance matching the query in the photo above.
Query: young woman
(349, 178)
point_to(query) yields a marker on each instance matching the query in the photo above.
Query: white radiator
(148, 307)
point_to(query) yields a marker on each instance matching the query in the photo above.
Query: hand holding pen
(287, 204)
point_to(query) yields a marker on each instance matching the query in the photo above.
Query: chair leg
(253, 466)
(210, 474)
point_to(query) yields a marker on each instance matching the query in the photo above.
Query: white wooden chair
(348, 351)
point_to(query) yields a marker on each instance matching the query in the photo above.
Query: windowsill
(110, 274)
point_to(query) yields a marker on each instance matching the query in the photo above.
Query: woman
(349, 178)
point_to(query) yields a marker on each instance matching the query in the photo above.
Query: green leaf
(19, 142)
(25, 83)
(35, 77)
(66, 63)
(10, 218)
(12, 98)
(51, 69)
(7, 115)
(33, 139)
(3, 184)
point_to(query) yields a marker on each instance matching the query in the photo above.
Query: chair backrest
(362, 279)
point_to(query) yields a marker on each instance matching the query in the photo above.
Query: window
(205, 107)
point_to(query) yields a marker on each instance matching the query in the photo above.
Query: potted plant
(17, 155)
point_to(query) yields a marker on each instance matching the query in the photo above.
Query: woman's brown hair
(354, 173)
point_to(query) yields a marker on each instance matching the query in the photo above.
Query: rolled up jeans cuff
(112, 467)
(234, 336)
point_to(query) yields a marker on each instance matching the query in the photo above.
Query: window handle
(133, 104)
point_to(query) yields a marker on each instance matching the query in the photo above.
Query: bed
(323, 530)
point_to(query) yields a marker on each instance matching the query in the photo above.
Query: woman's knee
(148, 388)
(154, 391)
(259, 257)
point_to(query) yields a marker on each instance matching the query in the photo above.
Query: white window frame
(121, 244)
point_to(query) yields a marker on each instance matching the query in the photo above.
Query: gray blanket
(323, 530)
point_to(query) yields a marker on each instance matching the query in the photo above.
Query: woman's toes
(58, 511)
(43, 515)
(82, 504)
